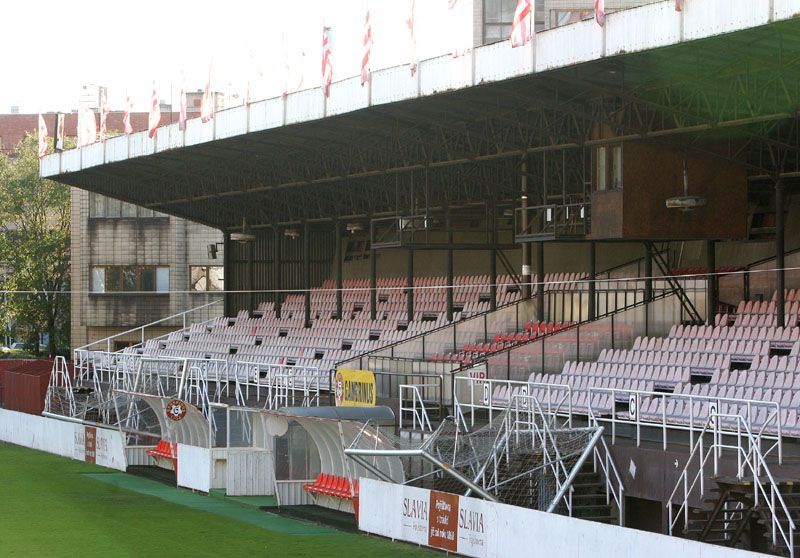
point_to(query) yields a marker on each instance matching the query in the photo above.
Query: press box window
(608, 165)
(207, 278)
(120, 279)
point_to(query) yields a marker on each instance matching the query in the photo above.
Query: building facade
(130, 265)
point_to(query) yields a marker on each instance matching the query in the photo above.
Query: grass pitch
(52, 506)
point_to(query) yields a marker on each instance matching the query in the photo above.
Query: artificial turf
(52, 506)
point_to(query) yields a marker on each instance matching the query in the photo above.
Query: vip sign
(355, 388)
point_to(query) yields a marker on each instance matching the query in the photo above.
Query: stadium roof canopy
(722, 72)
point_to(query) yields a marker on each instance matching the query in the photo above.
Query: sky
(53, 47)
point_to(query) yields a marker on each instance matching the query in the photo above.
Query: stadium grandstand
(563, 277)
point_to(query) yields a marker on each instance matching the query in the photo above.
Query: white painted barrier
(102, 446)
(483, 529)
(194, 467)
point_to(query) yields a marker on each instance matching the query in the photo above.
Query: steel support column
(592, 277)
(410, 285)
(277, 271)
(338, 255)
(251, 278)
(449, 224)
(526, 246)
(373, 283)
(648, 285)
(648, 272)
(226, 266)
(711, 281)
(493, 260)
(307, 275)
(780, 263)
(540, 280)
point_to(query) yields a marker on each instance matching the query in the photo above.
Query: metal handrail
(525, 388)
(183, 315)
(607, 465)
(757, 464)
(665, 426)
(419, 414)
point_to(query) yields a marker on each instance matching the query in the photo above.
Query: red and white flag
(126, 117)
(412, 38)
(42, 137)
(183, 107)
(521, 26)
(89, 125)
(600, 12)
(327, 62)
(207, 104)
(154, 118)
(678, 5)
(365, 67)
(103, 113)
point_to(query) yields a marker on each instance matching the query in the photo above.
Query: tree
(34, 249)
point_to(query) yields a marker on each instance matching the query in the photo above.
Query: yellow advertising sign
(355, 388)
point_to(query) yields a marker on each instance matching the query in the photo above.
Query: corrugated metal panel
(250, 473)
(198, 132)
(650, 26)
(168, 136)
(304, 105)
(347, 95)
(445, 73)
(25, 388)
(321, 251)
(137, 455)
(713, 17)
(231, 122)
(175, 137)
(140, 144)
(567, 45)
(786, 8)
(291, 493)
(71, 160)
(93, 155)
(500, 61)
(49, 164)
(266, 114)
(117, 149)
(394, 84)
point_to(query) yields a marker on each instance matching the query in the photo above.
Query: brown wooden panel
(653, 173)
(607, 214)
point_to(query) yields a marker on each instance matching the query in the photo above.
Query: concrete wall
(159, 241)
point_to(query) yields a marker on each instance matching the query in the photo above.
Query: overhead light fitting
(213, 249)
(291, 233)
(245, 235)
(686, 202)
(353, 228)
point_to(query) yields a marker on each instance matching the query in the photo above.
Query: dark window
(105, 207)
(206, 278)
(130, 278)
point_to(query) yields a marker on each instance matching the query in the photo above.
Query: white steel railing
(751, 466)
(140, 331)
(602, 403)
(61, 383)
(412, 403)
(280, 385)
(493, 396)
